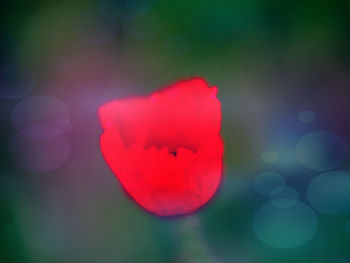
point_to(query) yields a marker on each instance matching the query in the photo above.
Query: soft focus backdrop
(282, 69)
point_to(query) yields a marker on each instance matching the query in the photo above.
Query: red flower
(166, 149)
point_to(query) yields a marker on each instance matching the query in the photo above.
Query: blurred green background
(282, 70)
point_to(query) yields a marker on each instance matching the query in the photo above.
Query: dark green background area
(279, 56)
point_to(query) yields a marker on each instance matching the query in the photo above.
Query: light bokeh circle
(285, 227)
(329, 192)
(35, 114)
(321, 150)
(39, 132)
(39, 155)
(265, 182)
(269, 157)
(307, 116)
(284, 196)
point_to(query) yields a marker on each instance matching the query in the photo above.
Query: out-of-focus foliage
(272, 62)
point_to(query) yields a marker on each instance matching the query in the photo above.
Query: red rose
(166, 149)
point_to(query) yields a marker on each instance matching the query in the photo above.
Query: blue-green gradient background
(282, 70)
